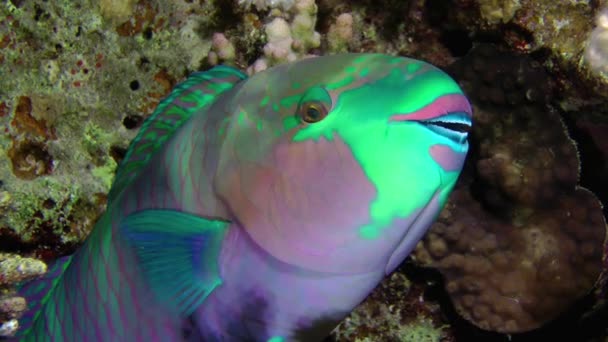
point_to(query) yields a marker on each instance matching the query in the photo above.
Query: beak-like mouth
(449, 116)
(454, 126)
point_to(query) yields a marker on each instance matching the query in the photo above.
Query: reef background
(519, 253)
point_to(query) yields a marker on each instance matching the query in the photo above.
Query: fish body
(262, 209)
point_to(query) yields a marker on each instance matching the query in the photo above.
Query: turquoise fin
(178, 253)
(192, 96)
(36, 292)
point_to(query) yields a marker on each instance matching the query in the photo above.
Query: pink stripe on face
(441, 106)
(447, 158)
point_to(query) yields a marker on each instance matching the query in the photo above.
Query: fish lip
(441, 106)
(449, 116)
(454, 126)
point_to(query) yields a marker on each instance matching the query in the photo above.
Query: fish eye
(312, 112)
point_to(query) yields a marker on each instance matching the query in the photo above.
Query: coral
(496, 11)
(222, 50)
(75, 81)
(264, 4)
(596, 53)
(280, 42)
(560, 35)
(422, 330)
(289, 35)
(520, 242)
(408, 28)
(116, 10)
(340, 33)
(15, 269)
(9, 328)
(395, 311)
(11, 307)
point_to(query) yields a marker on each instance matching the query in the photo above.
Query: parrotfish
(261, 208)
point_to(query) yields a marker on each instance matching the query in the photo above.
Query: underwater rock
(519, 241)
(396, 310)
(567, 37)
(15, 269)
(9, 328)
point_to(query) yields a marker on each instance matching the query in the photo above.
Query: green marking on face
(316, 94)
(341, 83)
(295, 85)
(290, 122)
(264, 101)
(413, 67)
(290, 100)
(241, 118)
(361, 59)
(375, 143)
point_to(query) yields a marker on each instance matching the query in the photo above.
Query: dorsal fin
(37, 292)
(194, 94)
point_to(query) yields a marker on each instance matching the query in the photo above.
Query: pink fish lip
(449, 116)
(443, 105)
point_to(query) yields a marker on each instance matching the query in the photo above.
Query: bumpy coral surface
(14, 269)
(397, 310)
(597, 47)
(522, 242)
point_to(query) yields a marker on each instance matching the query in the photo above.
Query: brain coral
(519, 241)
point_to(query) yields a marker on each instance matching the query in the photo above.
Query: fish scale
(263, 208)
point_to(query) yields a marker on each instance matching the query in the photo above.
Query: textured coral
(596, 52)
(290, 35)
(9, 328)
(75, 83)
(15, 269)
(560, 35)
(340, 33)
(520, 243)
(395, 311)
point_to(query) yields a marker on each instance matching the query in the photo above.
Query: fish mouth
(448, 116)
(454, 126)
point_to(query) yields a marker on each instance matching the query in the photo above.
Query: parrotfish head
(341, 163)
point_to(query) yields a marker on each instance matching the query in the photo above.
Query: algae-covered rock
(520, 241)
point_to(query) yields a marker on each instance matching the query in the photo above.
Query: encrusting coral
(15, 269)
(596, 52)
(522, 242)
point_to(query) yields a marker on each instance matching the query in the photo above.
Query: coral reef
(79, 78)
(596, 53)
(521, 242)
(397, 310)
(14, 269)
(559, 34)
(76, 83)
